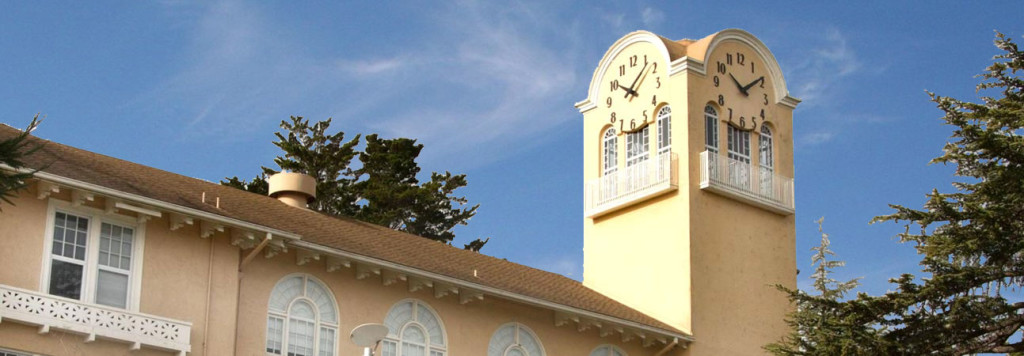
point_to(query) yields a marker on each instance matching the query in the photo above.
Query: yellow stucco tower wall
(662, 235)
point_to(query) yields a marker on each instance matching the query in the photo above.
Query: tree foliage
(12, 151)
(383, 190)
(821, 324)
(971, 241)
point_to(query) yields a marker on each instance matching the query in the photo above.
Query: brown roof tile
(339, 233)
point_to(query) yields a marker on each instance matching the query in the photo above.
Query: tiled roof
(343, 234)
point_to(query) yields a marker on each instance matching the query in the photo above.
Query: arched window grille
(611, 152)
(711, 129)
(413, 330)
(767, 162)
(664, 130)
(607, 350)
(514, 339)
(302, 318)
(638, 146)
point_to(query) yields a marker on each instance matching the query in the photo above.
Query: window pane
(69, 235)
(303, 310)
(300, 338)
(115, 246)
(66, 279)
(112, 289)
(326, 342)
(413, 334)
(275, 328)
(323, 301)
(390, 348)
(515, 351)
(284, 292)
(413, 350)
(429, 320)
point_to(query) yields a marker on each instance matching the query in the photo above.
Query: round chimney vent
(295, 189)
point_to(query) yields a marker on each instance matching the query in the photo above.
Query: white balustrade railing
(49, 311)
(737, 179)
(633, 184)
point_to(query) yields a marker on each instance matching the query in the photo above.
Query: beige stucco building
(101, 256)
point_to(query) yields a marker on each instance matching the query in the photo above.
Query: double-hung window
(92, 256)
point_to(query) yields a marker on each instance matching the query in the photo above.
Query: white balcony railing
(631, 185)
(736, 179)
(93, 321)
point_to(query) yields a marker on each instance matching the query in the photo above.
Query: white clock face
(633, 84)
(742, 86)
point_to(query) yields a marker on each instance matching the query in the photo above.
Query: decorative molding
(45, 188)
(79, 197)
(335, 263)
(416, 284)
(176, 221)
(444, 289)
(207, 229)
(303, 256)
(364, 270)
(389, 277)
(467, 296)
(243, 239)
(685, 64)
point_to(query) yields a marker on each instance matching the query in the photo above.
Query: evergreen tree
(821, 324)
(12, 151)
(384, 190)
(971, 243)
(972, 240)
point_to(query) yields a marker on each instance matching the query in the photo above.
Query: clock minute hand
(631, 86)
(751, 85)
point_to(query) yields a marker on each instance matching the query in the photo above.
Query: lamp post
(368, 336)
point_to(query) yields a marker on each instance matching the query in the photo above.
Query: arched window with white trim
(514, 339)
(610, 158)
(302, 318)
(413, 330)
(711, 129)
(664, 130)
(607, 350)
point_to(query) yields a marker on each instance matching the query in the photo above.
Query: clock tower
(688, 186)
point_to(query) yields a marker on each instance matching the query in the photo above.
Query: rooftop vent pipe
(295, 189)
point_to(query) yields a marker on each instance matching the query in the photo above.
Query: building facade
(102, 256)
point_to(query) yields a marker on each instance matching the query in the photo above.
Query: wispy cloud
(652, 17)
(815, 138)
(823, 67)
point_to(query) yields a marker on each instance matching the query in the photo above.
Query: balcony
(93, 321)
(736, 179)
(631, 185)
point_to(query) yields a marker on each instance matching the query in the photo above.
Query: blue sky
(198, 88)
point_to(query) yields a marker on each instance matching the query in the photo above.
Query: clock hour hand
(629, 91)
(631, 86)
(739, 86)
(751, 85)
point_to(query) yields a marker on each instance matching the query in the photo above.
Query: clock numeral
(762, 80)
(728, 58)
(645, 115)
(609, 102)
(716, 81)
(655, 68)
(654, 100)
(766, 98)
(622, 70)
(721, 67)
(615, 85)
(730, 114)
(762, 114)
(632, 124)
(753, 123)
(740, 58)
(645, 59)
(613, 119)
(632, 61)
(752, 68)
(743, 122)
(721, 100)
(622, 125)
(658, 81)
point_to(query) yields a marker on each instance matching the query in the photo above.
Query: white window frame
(91, 267)
(711, 128)
(610, 152)
(286, 317)
(398, 342)
(638, 146)
(607, 350)
(766, 147)
(517, 343)
(9, 352)
(664, 130)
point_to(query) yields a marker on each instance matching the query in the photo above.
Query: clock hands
(744, 88)
(631, 86)
(761, 79)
